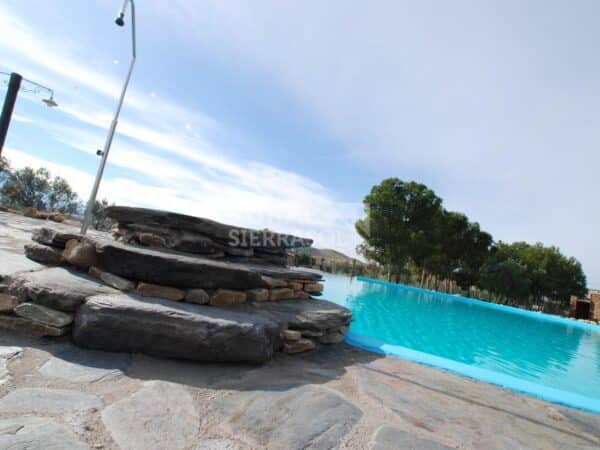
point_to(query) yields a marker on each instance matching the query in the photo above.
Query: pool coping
(557, 396)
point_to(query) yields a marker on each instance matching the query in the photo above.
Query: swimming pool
(545, 356)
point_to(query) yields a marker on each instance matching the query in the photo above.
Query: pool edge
(555, 396)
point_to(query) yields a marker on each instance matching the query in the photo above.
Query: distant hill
(327, 253)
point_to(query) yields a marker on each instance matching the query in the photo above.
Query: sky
(283, 114)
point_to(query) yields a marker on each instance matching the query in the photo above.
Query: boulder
(258, 295)
(44, 254)
(42, 314)
(80, 254)
(116, 281)
(21, 325)
(151, 240)
(155, 290)
(128, 323)
(226, 297)
(303, 315)
(53, 237)
(197, 296)
(170, 268)
(57, 288)
(301, 295)
(274, 282)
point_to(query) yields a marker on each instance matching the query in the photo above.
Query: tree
(26, 188)
(401, 223)
(4, 169)
(61, 197)
(506, 277)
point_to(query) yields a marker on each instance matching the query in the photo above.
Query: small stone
(332, 338)
(301, 295)
(281, 294)
(197, 296)
(155, 290)
(294, 285)
(258, 295)
(291, 335)
(302, 345)
(19, 324)
(95, 271)
(312, 333)
(42, 314)
(44, 254)
(151, 240)
(80, 254)
(226, 297)
(313, 288)
(344, 329)
(117, 282)
(8, 303)
(48, 401)
(274, 282)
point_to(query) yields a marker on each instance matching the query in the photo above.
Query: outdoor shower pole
(14, 85)
(89, 210)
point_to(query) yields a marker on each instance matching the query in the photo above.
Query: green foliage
(35, 188)
(410, 236)
(401, 223)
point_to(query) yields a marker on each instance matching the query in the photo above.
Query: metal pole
(14, 85)
(111, 132)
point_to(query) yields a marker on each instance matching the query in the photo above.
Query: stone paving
(56, 396)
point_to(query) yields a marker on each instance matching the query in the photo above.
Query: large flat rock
(128, 323)
(159, 416)
(57, 288)
(312, 314)
(32, 433)
(11, 263)
(307, 417)
(222, 232)
(75, 365)
(183, 270)
(47, 401)
(391, 438)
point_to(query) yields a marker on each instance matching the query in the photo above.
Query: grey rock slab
(159, 416)
(30, 327)
(312, 314)
(57, 288)
(390, 438)
(51, 401)
(130, 323)
(12, 263)
(43, 314)
(170, 268)
(170, 220)
(76, 365)
(306, 417)
(37, 433)
(218, 444)
(43, 254)
(117, 282)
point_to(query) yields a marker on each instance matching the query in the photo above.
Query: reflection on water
(553, 354)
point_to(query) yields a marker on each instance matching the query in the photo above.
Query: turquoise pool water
(545, 356)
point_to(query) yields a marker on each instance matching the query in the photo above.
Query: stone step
(170, 220)
(57, 288)
(129, 323)
(169, 268)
